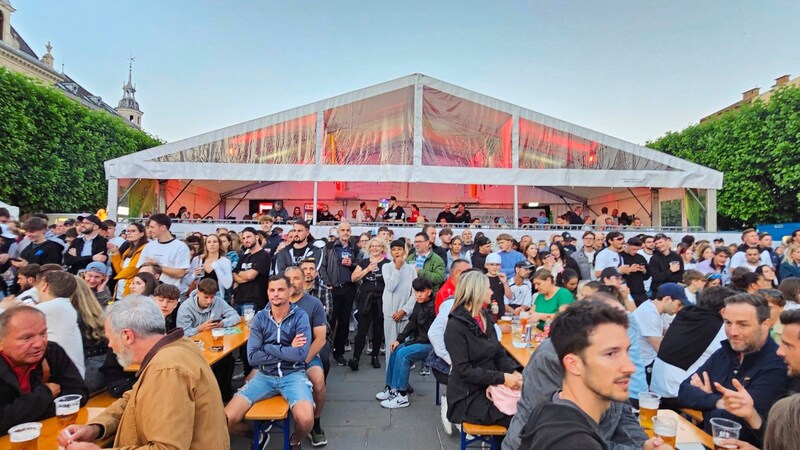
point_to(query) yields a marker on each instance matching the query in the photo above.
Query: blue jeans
(293, 387)
(400, 363)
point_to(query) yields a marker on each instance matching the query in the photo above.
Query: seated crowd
(701, 326)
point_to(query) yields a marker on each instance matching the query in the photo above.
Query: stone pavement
(353, 419)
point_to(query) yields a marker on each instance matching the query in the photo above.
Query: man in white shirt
(610, 256)
(361, 214)
(520, 284)
(749, 240)
(55, 288)
(669, 300)
(165, 250)
(648, 246)
(752, 259)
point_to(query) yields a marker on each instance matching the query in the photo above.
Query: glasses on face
(87, 223)
(134, 230)
(420, 242)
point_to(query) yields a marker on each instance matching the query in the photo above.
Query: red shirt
(23, 374)
(447, 290)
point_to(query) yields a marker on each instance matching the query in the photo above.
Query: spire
(129, 91)
(48, 57)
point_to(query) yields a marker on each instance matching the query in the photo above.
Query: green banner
(142, 198)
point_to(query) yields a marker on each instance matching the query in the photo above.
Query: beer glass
(666, 428)
(67, 407)
(517, 338)
(217, 339)
(648, 408)
(724, 429)
(25, 436)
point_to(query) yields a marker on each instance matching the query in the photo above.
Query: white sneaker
(396, 401)
(385, 394)
(448, 427)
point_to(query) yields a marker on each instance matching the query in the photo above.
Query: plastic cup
(200, 345)
(517, 338)
(666, 428)
(248, 316)
(67, 407)
(724, 429)
(648, 408)
(25, 436)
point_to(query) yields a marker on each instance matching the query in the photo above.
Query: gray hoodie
(190, 316)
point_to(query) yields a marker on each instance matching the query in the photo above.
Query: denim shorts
(316, 362)
(294, 387)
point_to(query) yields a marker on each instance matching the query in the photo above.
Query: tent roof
(409, 130)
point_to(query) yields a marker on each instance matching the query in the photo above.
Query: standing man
(508, 255)
(584, 256)
(361, 214)
(314, 366)
(749, 240)
(648, 246)
(314, 286)
(302, 248)
(40, 250)
(395, 213)
(278, 345)
(446, 216)
(666, 265)
(637, 270)
(250, 277)
(175, 402)
(398, 302)
(610, 256)
(483, 247)
(338, 266)
(165, 250)
(87, 247)
(427, 263)
(448, 289)
(462, 214)
(649, 317)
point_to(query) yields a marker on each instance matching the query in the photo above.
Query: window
(2, 21)
(671, 213)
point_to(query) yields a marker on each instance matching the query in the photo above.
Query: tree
(52, 149)
(757, 147)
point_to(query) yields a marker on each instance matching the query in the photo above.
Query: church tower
(128, 107)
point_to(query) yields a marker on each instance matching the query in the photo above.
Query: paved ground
(353, 419)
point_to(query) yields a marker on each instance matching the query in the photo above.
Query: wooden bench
(101, 400)
(275, 410)
(483, 434)
(695, 415)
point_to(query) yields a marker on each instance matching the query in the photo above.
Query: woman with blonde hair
(91, 320)
(215, 264)
(125, 258)
(369, 300)
(790, 267)
(478, 358)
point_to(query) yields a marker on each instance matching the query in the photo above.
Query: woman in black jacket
(561, 257)
(478, 358)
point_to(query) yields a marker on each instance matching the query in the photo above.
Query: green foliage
(757, 147)
(52, 148)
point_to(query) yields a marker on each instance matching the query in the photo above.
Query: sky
(630, 69)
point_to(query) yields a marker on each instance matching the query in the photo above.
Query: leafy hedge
(757, 147)
(52, 148)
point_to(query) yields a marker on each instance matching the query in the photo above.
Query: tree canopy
(52, 148)
(757, 147)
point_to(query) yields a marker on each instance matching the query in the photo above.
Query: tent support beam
(316, 197)
(237, 203)
(711, 207)
(246, 188)
(564, 194)
(516, 205)
(692, 194)
(128, 191)
(112, 206)
(641, 204)
(179, 194)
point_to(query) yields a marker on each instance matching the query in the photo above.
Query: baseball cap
(493, 258)
(481, 241)
(91, 218)
(96, 266)
(566, 235)
(674, 291)
(523, 265)
(5, 232)
(69, 222)
(609, 272)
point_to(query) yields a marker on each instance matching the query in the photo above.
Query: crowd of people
(704, 325)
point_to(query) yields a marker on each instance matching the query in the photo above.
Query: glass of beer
(722, 429)
(25, 436)
(67, 407)
(217, 339)
(666, 428)
(648, 408)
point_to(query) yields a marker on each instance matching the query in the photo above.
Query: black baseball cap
(609, 272)
(481, 241)
(91, 218)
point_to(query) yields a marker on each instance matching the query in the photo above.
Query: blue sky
(631, 69)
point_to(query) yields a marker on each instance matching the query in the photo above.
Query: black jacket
(659, 270)
(44, 253)
(76, 263)
(553, 426)
(17, 408)
(479, 361)
(418, 323)
(636, 280)
(332, 262)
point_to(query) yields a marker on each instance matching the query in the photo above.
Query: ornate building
(16, 55)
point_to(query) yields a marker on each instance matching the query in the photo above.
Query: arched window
(2, 22)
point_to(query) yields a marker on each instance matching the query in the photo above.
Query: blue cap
(96, 266)
(674, 291)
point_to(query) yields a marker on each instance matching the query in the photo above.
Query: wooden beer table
(687, 431)
(48, 439)
(231, 343)
(522, 355)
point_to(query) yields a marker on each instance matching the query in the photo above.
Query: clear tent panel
(289, 142)
(461, 133)
(378, 130)
(543, 147)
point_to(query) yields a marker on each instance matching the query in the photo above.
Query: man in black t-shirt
(252, 272)
(637, 270)
(395, 213)
(462, 214)
(302, 248)
(41, 250)
(446, 216)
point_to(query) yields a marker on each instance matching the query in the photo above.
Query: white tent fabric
(13, 210)
(407, 130)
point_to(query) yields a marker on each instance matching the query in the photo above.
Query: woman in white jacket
(215, 264)
(398, 299)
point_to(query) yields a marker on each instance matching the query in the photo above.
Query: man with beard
(591, 341)
(746, 359)
(175, 402)
(302, 248)
(88, 247)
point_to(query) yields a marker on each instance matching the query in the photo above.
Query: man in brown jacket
(175, 402)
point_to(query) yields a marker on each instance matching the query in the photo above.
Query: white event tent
(418, 138)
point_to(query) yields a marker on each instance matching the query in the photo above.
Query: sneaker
(369, 349)
(348, 347)
(376, 363)
(318, 439)
(340, 360)
(396, 401)
(296, 446)
(425, 370)
(448, 427)
(385, 394)
(413, 366)
(353, 364)
(383, 349)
